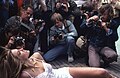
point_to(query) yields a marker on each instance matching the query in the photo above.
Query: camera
(19, 41)
(58, 35)
(40, 21)
(94, 23)
(62, 6)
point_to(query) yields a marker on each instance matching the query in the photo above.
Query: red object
(19, 2)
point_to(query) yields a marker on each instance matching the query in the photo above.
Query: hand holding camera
(58, 36)
(94, 21)
(95, 18)
(19, 42)
(62, 6)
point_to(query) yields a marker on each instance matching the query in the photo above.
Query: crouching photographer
(62, 38)
(26, 28)
(102, 36)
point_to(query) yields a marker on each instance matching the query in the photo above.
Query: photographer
(62, 38)
(102, 37)
(27, 29)
(67, 8)
(39, 28)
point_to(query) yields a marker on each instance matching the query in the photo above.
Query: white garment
(53, 73)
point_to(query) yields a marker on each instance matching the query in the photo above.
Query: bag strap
(66, 25)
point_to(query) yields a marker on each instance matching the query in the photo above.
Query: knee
(70, 39)
(47, 59)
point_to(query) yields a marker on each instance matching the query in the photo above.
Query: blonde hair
(56, 16)
(10, 66)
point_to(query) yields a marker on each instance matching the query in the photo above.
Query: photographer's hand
(54, 39)
(95, 18)
(32, 33)
(65, 7)
(104, 26)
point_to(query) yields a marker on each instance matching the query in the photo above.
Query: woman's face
(21, 54)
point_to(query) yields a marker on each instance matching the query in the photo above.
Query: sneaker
(70, 59)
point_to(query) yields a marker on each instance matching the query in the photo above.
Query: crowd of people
(34, 32)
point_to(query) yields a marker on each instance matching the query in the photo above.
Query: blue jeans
(60, 49)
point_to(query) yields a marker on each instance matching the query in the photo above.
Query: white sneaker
(70, 59)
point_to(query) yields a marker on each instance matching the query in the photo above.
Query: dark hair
(25, 7)
(107, 8)
(87, 6)
(10, 66)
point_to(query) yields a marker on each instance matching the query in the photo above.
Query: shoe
(70, 59)
(105, 65)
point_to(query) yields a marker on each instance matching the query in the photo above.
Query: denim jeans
(60, 49)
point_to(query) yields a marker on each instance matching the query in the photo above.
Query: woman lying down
(16, 63)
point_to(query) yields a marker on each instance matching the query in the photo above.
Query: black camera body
(58, 35)
(93, 23)
(19, 41)
(40, 21)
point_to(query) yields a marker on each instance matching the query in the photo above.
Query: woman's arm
(24, 75)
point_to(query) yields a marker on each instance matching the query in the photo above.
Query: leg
(94, 58)
(54, 53)
(71, 46)
(109, 55)
(89, 72)
(36, 47)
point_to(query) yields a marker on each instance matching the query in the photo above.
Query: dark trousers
(96, 53)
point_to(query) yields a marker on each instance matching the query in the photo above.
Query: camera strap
(66, 25)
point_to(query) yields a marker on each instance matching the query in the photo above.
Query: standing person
(4, 12)
(61, 38)
(27, 29)
(102, 36)
(8, 8)
(16, 64)
(13, 8)
(68, 9)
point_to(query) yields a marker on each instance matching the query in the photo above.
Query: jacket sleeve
(72, 30)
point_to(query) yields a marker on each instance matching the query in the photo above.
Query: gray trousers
(96, 53)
